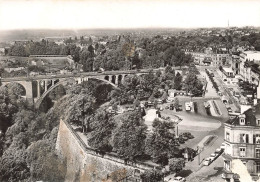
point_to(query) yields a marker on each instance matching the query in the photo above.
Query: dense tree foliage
(102, 127)
(178, 81)
(152, 176)
(161, 144)
(129, 138)
(193, 85)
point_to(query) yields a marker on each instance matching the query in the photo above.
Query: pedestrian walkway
(210, 90)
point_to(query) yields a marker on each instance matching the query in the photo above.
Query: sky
(84, 14)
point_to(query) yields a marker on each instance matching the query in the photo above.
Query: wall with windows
(244, 142)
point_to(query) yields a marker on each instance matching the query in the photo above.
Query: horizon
(127, 28)
(123, 14)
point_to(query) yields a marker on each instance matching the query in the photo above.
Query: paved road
(225, 89)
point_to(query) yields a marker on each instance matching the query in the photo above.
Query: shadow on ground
(184, 173)
(219, 171)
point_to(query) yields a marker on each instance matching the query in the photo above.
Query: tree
(160, 144)
(18, 50)
(129, 138)
(176, 164)
(101, 133)
(151, 176)
(178, 81)
(193, 85)
(176, 103)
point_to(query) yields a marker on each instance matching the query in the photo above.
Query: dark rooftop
(250, 115)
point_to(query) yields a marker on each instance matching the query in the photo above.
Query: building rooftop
(250, 117)
(227, 69)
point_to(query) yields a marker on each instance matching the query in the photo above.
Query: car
(167, 107)
(213, 156)
(188, 134)
(218, 151)
(179, 179)
(187, 106)
(185, 138)
(207, 162)
(223, 146)
(181, 140)
(220, 93)
(159, 101)
(229, 109)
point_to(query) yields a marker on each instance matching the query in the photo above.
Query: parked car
(179, 179)
(207, 162)
(218, 151)
(223, 146)
(213, 156)
(167, 107)
(185, 138)
(171, 107)
(187, 106)
(220, 93)
(229, 109)
(188, 134)
(181, 140)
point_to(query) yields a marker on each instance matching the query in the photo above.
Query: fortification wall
(84, 164)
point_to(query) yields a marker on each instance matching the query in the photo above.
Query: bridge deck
(89, 74)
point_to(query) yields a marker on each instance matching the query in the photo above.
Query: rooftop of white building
(252, 55)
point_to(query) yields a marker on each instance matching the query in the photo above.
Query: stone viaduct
(38, 87)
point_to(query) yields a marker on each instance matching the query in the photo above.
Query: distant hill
(38, 34)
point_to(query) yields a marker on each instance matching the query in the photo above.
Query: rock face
(84, 164)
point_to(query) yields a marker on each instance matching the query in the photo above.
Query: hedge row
(215, 85)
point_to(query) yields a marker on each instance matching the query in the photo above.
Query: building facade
(244, 67)
(242, 141)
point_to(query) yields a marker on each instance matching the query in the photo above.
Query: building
(248, 56)
(228, 72)
(210, 58)
(220, 59)
(242, 141)
(235, 64)
(198, 56)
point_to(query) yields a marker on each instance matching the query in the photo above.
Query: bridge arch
(23, 87)
(60, 82)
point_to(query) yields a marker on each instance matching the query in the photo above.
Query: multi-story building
(220, 59)
(209, 58)
(235, 64)
(198, 57)
(247, 56)
(242, 141)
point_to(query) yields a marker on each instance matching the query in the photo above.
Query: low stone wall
(85, 164)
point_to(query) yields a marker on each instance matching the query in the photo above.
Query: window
(258, 122)
(256, 138)
(227, 136)
(257, 167)
(242, 121)
(227, 165)
(242, 152)
(257, 153)
(244, 138)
